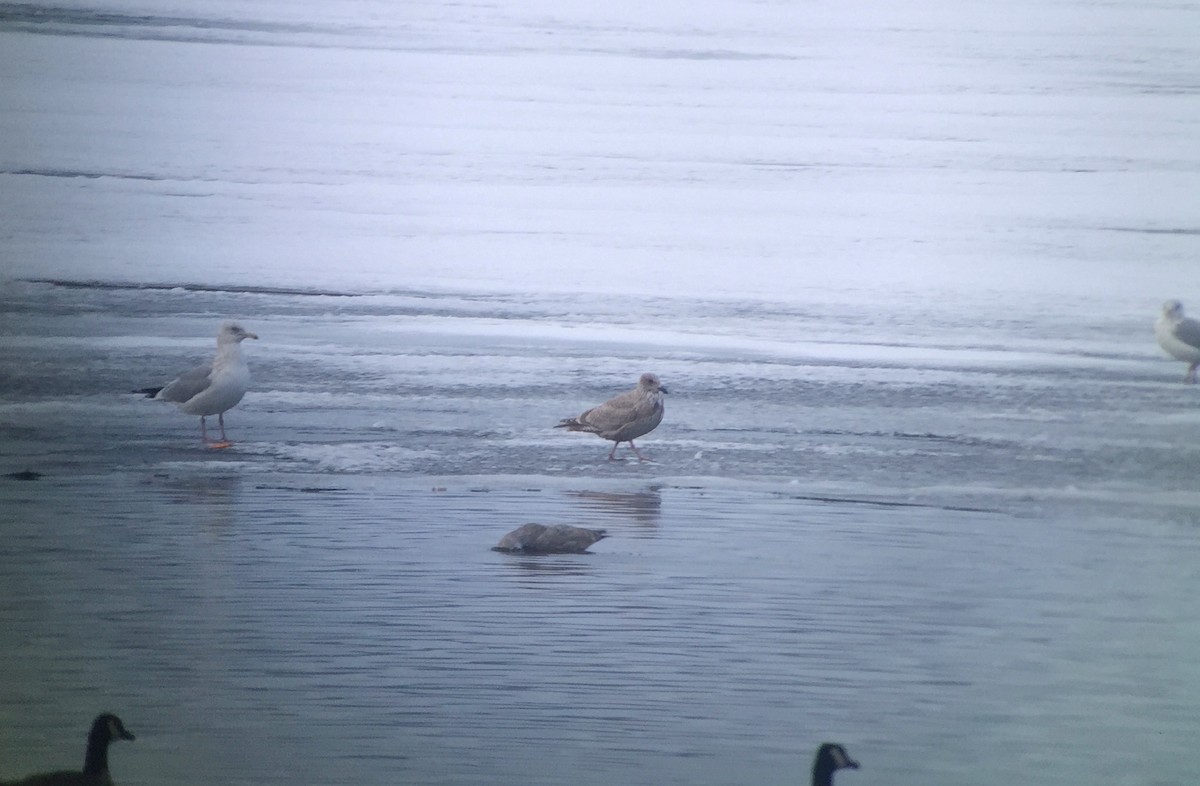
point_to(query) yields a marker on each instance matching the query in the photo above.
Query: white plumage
(215, 387)
(1179, 336)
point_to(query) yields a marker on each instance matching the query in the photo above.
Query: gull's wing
(188, 385)
(619, 411)
(1187, 330)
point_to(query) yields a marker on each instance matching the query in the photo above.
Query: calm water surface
(359, 629)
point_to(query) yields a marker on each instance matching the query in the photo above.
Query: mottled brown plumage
(554, 539)
(624, 418)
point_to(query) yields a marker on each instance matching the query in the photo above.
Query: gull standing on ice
(1179, 336)
(214, 387)
(624, 418)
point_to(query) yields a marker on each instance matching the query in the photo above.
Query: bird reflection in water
(211, 500)
(643, 507)
(547, 567)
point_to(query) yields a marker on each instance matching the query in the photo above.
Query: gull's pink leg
(203, 431)
(635, 450)
(224, 443)
(612, 452)
(1190, 378)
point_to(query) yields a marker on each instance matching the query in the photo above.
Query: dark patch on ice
(238, 290)
(73, 173)
(25, 474)
(1155, 230)
(302, 489)
(89, 23)
(929, 436)
(31, 16)
(890, 503)
(700, 54)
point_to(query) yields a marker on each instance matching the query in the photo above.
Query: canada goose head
(108, 727)
(830, 758)
(105, 729)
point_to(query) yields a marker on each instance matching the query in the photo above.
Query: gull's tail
(574, 424)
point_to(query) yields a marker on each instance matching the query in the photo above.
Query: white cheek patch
(839, 758)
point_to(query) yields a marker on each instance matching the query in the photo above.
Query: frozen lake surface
(925, 485)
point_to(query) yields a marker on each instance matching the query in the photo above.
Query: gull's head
(233, 333)
(1173, 309)
(649, 383)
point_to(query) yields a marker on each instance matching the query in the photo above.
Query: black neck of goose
(823, 774)
(96, 760)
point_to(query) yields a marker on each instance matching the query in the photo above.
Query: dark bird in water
(554, 539)
(831, 757)
(105, 729)
(213, 388)
(624, 418)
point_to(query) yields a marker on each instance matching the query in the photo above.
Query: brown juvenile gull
(105, 729)
(1179, 336)
(555, 539)
(624, 418)
(213, 388)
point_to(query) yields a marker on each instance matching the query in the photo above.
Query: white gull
(213, 388)
(1179, 336)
